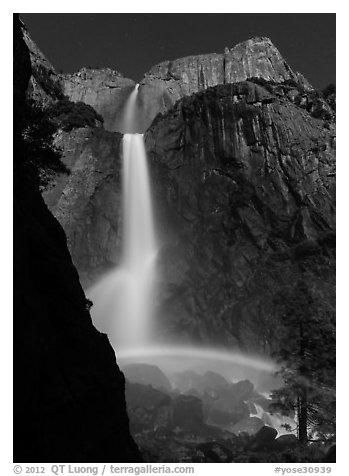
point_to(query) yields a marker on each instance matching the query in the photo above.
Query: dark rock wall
(240, 175)
(69, 401)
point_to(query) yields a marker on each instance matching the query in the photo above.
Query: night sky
(132, 43)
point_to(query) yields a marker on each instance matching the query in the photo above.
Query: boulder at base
(286, 441)
(227, 410)
(264, 438)
(187, 412)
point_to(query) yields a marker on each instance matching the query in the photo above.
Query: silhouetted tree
(306, 337)
(42, 158)
(69, 115)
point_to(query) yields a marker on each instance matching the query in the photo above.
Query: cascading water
(276, 420)
(123, 300)
(139, 245)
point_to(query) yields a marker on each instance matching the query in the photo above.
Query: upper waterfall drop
(124, 299)
(130, 120)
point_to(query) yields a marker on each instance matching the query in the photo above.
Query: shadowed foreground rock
(69, 401)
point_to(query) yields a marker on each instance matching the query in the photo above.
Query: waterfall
(130, 117)
(123, 300)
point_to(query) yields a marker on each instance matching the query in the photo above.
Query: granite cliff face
(242, 165)
(69, 399)
(105, 90)
(168, 82)
(44, 84)
(87, 203)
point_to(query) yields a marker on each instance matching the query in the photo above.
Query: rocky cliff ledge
(69, 400)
